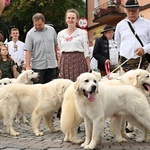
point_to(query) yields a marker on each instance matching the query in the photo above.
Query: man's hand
(140, 51)
(107, 62)
(28, 68)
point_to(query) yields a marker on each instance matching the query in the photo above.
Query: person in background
(129, 46)
(16, 47)
(7, 65)
(74, 48)
(106, 51)
(41, 49)
(94, 62)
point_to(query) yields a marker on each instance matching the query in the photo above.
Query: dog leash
(107, 69)
(123, 64)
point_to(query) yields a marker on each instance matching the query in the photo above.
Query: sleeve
(97, 52)
(55, 37)
(86, 45)
(59, 42)
(117, 36)
(28, 43)
(147, 45)
(58, 39)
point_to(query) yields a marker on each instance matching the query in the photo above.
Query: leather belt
(130, 61)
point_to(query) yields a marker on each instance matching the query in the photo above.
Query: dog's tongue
(148, 87)
(91, 97)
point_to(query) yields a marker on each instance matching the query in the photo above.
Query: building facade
(104, 12)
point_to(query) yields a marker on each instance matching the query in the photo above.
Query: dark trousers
(46, 75)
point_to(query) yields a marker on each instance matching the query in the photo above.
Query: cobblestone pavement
(54, 141)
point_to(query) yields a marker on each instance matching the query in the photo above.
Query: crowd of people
(117, 44)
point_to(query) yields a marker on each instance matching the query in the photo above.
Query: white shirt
(93, 62)
(113, 52)
(77, 41)
(126, 40)
(17, 53)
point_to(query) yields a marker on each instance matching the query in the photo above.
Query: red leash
(107, 69)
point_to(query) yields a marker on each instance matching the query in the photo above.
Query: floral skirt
(72, 64)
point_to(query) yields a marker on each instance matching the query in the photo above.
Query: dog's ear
(76, 85)
(135, 79)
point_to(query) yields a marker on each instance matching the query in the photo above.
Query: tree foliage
(19, 13)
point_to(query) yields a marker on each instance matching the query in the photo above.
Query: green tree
(19, 13)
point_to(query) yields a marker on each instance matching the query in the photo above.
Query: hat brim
(131, 6)
(107, 30)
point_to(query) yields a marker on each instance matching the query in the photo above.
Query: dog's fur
(96, 102)
(42, 100)
(141, 80)
(70, 118)
(26, 77)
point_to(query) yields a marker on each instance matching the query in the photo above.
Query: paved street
(54, 141)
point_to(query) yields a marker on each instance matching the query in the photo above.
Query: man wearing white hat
(132, 35)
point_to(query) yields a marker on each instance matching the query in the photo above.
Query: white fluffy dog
(96, 102)
(5, 81)
(42, 100)
(26, 77)
(70, 118)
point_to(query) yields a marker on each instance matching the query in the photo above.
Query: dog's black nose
(93, 88)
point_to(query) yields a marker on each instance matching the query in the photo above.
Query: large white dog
(70, 118)
(26, 77)
(96, 101)
(42, 100)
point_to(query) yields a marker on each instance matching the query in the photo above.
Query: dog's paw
(77, 141)
(14, 133)
(83, 145)
(17, 120)
(90, 146)
(129, 135)
(121, 140)
(66, 138)
(55, 130)
(25, 120)
(39, 133)
(140, 139)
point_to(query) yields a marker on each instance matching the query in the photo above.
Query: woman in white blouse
(74, 48)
